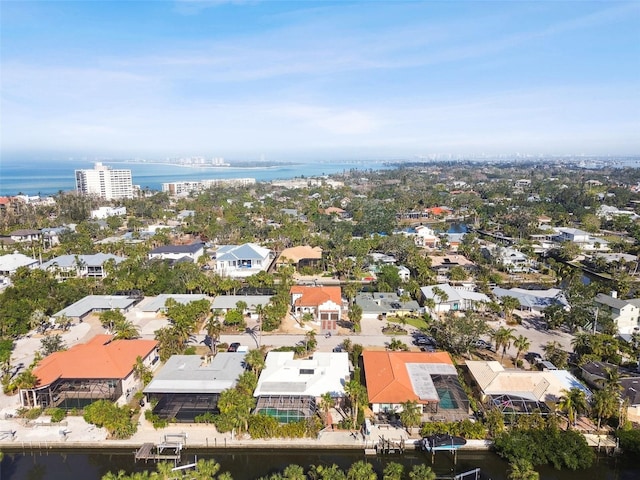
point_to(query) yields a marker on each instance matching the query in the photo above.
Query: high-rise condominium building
(104, 182)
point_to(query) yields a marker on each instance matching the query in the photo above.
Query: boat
(442, 441)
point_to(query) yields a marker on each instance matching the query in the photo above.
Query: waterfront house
(190, 385)
(624, 313)
(290, 389)
(520, 391)
(102, 369)
(428, 378)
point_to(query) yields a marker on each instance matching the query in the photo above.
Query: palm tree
(26, 381)
(326, 402)
(142, 372)
(441, 294)
(509, 304)
(605, 404)
(357, 394)
(125, 330)
(164, 471)
(393, 471)
(522, 343)
(522, 469)
(323, 472)
(205, 469)
(396, 344)
(255, 360)
(410, 415)
(361, 470)
(503, 337)
(294, 472)
(573, 402)
(422, 472)
(214, 329)
(37, 319)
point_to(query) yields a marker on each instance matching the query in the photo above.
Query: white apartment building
(104, 182)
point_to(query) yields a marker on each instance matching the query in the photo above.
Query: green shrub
(32, 413)
(57, 414)
(465, 428)
(155, 420)
(560, 448)
(206, 417)
(629, 441)
(117, 420)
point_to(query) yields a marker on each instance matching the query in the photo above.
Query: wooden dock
(161, 451)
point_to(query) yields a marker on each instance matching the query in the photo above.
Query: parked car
(533, 358)
(423, 341)
(483, 344)
(233, 347)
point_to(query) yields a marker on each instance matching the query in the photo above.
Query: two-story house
(324, 303)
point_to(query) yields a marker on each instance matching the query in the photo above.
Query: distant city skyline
(249, 79)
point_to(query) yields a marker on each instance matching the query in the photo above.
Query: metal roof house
(96, 304)
(158, 303)
(228, 302)
(240, 261)
(13, 261)
(85, 266)
(533, 300)
(190, 385)
(178, 252)
(378, 304)
(454, 298)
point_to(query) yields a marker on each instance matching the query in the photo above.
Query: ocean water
(40, 177)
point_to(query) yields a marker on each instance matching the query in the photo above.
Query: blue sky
(242, 79)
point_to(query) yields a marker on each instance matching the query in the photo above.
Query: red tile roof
(99, 358)
(314, 296)
(387, 377)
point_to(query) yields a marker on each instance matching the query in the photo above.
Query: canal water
(253, 464)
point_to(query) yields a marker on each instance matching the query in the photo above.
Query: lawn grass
(418, 323)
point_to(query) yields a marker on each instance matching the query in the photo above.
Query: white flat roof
(314, 376)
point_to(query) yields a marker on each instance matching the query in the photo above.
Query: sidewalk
(74, 432)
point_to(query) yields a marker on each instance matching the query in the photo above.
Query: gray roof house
(380, 304)
(85, 266)
(533, 300)
(228, 302)
(239, 261)
(96, 304)
(13, 261)
(190, 385)
(454, 298)
(178, 252)
(158, 303)
(624, 313)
